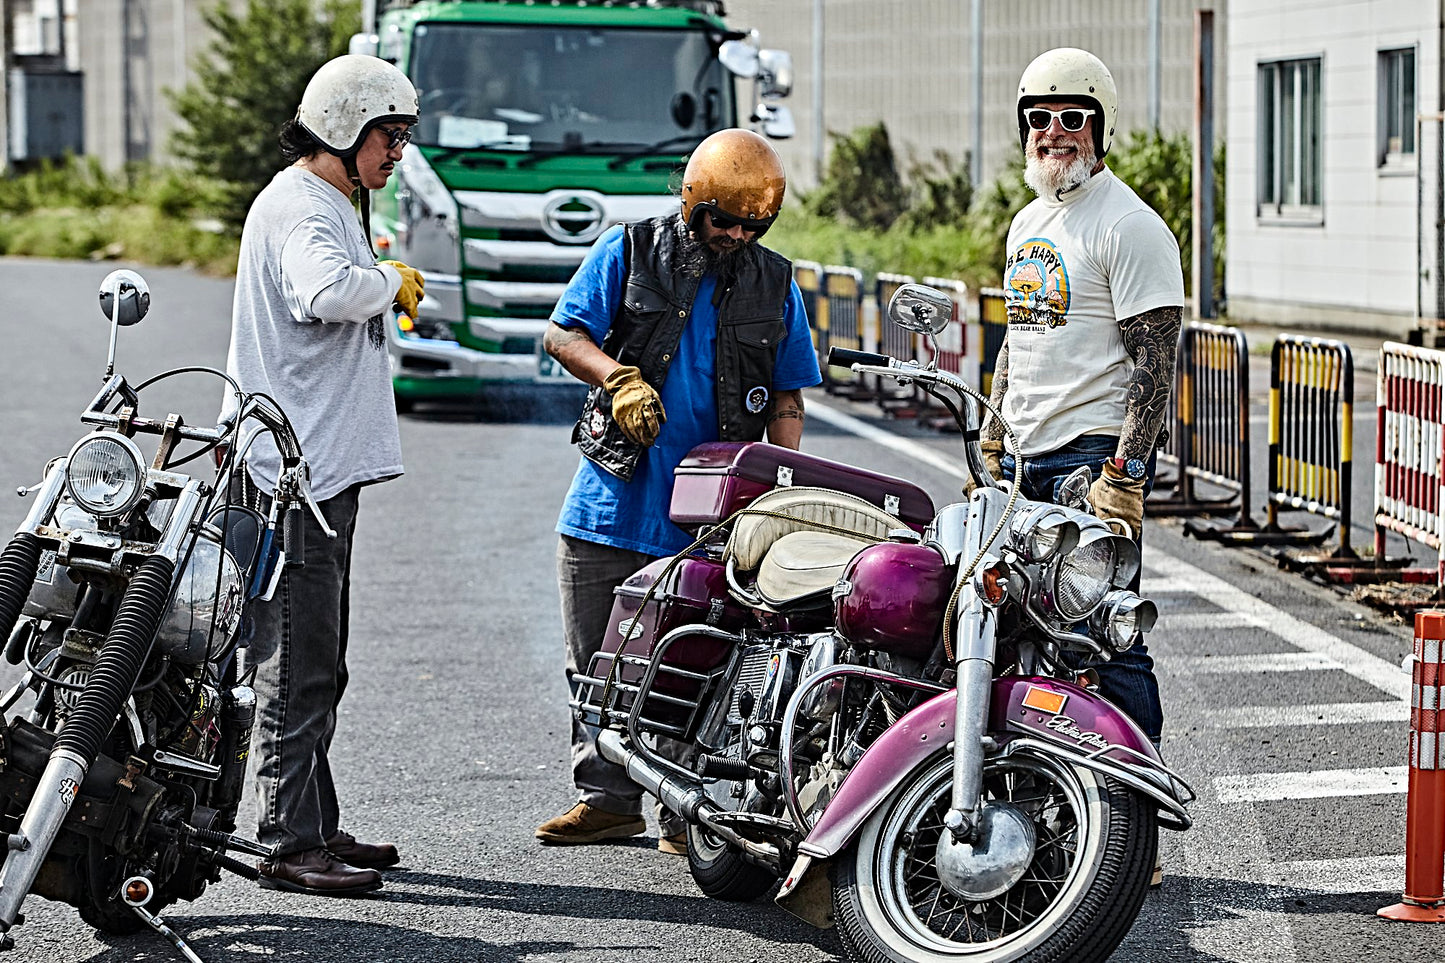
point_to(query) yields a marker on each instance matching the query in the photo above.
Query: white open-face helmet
(1071, 74)
(352, 94)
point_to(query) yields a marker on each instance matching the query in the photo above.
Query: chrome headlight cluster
(106, 474)
(1040, 532)
(1122, 618)
(1080, 580)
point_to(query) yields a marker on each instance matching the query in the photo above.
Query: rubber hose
(120, 661)
(18, 564)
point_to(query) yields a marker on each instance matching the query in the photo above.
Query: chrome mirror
(1074, 492)
(775, 72)
(776, 121)
(920, 308)
(740, 58)
(124, 297)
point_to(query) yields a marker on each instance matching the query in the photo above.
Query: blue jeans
(1127, 680)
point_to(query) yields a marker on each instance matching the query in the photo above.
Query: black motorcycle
(123, 757)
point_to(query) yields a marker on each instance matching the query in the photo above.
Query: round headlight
(1043, 531)
(1084, 577)
(105, 474)
(1122, 618)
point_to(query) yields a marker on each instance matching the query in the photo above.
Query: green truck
(542, 124)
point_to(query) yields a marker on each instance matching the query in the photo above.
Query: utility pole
(7, 33)
(975, 165)
(818, 147)
(1202, 275)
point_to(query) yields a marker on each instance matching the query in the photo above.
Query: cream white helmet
(350, 95)
(1071, 74)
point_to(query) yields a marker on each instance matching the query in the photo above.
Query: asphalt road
(1286, 708)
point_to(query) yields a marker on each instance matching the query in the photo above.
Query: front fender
(1026, 714)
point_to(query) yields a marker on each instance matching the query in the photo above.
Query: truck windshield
(566, 88)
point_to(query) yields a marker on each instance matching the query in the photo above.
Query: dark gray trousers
(298, 645)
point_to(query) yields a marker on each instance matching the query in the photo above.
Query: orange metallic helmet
(737, 174)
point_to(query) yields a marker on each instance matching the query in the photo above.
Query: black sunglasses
(1071, 118)
(726, 222)
(396, 136)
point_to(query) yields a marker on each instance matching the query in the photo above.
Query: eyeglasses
(396, 136)
(1071, 118)
(726, 222)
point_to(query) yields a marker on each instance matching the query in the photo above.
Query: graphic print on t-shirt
(1036, 286)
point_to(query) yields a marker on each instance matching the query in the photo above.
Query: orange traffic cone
(1424, 900)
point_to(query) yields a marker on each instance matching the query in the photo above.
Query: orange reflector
(383, 244)
(404, 323)
(137, 891)
(1050, 703)
(994, 589)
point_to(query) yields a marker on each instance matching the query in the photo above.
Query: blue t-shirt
(600, 507)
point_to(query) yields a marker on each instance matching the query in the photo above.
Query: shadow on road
(544, 404)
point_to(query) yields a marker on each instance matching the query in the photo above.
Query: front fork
(974, 672)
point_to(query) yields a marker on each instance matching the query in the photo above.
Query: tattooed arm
(574, 350)
(993, 429)
(1151, 339)
(785, 421)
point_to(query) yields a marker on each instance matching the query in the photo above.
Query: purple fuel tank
(895, 600)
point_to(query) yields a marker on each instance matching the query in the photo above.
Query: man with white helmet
(1095, 297)
(306, 329)
(689, 331)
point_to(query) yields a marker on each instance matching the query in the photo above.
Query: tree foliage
(248, 83)
(861, 184)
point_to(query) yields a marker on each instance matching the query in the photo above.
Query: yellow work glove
(1116, 495)
(993, 458)
(635, 405)
(408, 296)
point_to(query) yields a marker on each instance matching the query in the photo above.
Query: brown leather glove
(409, 295)
(1116, 495)
(635, 405)
(993, 458)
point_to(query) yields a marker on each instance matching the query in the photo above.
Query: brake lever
(304, 487)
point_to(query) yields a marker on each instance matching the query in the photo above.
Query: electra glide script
(121, 593)
(878, 705)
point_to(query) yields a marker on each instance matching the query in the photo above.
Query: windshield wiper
(661, 147)
(447, 153)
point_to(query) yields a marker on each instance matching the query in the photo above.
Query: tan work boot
(588, 824)
(675, 845)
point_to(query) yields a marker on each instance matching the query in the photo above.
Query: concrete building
(1334, 190)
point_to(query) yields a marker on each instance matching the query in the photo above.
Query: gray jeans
(587, 572)
(298, 645)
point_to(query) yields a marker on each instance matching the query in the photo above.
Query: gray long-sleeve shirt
(306, 287)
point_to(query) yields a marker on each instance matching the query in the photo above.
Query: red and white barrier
(1410, 448)
(1424, 900)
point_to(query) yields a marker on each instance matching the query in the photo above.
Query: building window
(1397, 107)
(1289, 137)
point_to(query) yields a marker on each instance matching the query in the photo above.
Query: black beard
(703, 257)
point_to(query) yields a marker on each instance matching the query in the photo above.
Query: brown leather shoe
(318, 872)
(675, 845)
(588, 824)
(353, 852)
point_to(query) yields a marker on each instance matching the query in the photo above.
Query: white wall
(1356, 269)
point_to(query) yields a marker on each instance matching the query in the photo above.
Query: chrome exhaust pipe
(686, 799)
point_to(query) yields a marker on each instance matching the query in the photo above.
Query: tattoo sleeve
(992, 428)
(1151, 338)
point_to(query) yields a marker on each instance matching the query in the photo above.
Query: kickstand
(155, 923)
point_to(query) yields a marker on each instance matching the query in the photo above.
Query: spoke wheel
(1095, 845)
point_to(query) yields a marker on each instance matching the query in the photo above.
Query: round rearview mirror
(124, 297)
(740, 58)
(920, 308)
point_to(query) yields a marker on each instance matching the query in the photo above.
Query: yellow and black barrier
(842, 305)
(808, 275)
(901, 401)
(993, 316)
(1209, 437)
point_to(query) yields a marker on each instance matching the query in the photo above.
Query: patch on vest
(757, 400)
(596, 423)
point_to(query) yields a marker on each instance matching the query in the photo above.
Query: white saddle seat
(803, 564)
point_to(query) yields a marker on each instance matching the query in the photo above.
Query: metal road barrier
(808, 275)
(1409, 450)
(1311, 407)
(1424, 898)
(897, 399)
(993, 316)
(1209, 434)
(960, 349)
(842, 307)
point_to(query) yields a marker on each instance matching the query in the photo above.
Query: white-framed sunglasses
(1070, 118)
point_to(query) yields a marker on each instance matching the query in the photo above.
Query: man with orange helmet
(689, 331)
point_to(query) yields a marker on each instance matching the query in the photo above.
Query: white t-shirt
(307, 291)
(1076, 267)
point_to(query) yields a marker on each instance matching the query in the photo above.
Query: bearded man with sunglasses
(306, 329)
(1095, 296)
(689, 331)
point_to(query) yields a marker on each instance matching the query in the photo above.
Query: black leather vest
(648, 326)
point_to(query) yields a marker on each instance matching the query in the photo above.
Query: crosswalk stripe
(1357, 874)
(1267, 786)
(1191, 621)
(1258, 662)
(1299, 716)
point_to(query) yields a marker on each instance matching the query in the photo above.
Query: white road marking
(1325, 713)
(919, 453)
(1358, 874)
(1190, 621)
(1268, 786)
(1259, 662)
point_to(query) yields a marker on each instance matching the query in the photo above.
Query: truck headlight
(105, 475)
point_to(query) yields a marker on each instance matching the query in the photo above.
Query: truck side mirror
(739, 57)
(776, 121)
(775, 72)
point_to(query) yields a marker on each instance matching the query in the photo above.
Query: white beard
(1051, 178)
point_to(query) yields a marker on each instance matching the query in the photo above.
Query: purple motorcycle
(876, 703)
